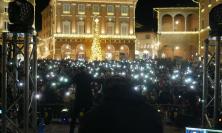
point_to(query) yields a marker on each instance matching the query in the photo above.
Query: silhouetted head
(117, 87)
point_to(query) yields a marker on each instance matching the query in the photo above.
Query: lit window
(81, 9)
(124, 29)
(110, 10)
(66, 8)
(95, 9)
(124, 10)
(110, 28)
(66, 27)
(80, 27)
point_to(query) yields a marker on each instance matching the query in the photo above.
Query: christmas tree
(96, 48)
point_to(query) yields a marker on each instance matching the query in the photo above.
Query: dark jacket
(122, 111)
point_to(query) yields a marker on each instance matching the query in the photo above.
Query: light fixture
(177, 47)
(122, 48)
(81, 47)
(109, 47)
(177, 22)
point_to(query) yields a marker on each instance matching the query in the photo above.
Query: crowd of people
(172, 87)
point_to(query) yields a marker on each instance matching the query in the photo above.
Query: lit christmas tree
(96, 48)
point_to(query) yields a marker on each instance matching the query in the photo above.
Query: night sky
(144, 11)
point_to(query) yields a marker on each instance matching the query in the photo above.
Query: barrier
(198, 130)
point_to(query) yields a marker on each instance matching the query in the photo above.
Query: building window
(95, 9)
(209, 1)
(81, 9)
(6, 26)
(66, 27)
(66, 8)
(124, 29)
(110, 28)
(80, 27)
(6, 9)
(124, 10)
(110, 10)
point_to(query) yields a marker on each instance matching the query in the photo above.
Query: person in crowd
(83, 96)
(122, 111)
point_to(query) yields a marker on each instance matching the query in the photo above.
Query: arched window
(66, 27)
(80, 27)
(110, 50)
(124, 28)
(124, 52)
(179, 23)
(192, 22)
(167, 23)
(80, 51)
(110, 28)
(66, 51)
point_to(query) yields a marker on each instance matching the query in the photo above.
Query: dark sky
(144, 11)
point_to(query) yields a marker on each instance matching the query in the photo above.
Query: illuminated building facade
(68, 29)
(146, 45)
(178, 32)
(3, 15)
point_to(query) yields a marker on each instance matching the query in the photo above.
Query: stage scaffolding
(19, 82)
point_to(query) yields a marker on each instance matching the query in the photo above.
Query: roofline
(103, 1)
(173, 8)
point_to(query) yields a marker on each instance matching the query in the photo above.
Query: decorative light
(177, 22)
(202, 10)
(81, 47)
(96, 48)
(122, 48)
(177, 47)
(109, 47)
(210, 5)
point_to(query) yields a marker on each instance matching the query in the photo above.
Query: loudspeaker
(21, 16)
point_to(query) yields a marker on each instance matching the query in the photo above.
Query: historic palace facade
(178, 32)
(68, 28)
(3, 15)
(146, 45)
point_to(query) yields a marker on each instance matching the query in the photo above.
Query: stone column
(88, 18)
(173, 17)
(131, 19)
(58, 17)
(73, 12)
(117, 16)
(160, 17)
(103, 18)
(185, 19)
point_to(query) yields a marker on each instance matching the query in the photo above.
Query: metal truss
(19, 83)
(211, 83)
